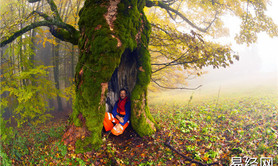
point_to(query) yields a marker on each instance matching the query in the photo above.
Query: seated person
(120, 115)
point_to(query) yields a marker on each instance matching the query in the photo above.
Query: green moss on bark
(141, 119)
(97, 50)
(101, 47)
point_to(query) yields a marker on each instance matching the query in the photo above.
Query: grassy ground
(207, 127)
(222, 125)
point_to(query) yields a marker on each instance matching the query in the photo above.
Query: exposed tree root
(73, 132)
(167, 143)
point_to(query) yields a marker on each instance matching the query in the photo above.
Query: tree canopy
(182, 37)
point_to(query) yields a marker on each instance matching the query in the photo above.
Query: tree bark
(113, 46)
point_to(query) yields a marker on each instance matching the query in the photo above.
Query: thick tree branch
(22, 31)
(65, 34)
(58, 23)
(169, 9)
(57, 29)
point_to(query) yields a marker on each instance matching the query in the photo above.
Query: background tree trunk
(113, 54)
(56, 71)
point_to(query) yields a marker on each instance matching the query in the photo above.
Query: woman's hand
(121, 119)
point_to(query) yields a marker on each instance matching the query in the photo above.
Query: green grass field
(216, 125)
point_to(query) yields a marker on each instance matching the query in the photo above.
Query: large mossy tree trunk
(113, 55)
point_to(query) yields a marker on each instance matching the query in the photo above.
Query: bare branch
(169, 9)
(178, 8)
(156, 26)
(43, 15)
(53, 8)
(170, 14)
(173, 87)
(174, 62)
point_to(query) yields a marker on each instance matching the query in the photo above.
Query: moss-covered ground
(207, 129)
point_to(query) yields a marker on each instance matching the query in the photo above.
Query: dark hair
(123, 89)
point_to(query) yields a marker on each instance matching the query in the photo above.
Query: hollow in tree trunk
(113, 45)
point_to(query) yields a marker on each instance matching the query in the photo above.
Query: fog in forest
(255, 72)
(256, 69)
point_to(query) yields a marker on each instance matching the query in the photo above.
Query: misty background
(255, 74)
(257, 67)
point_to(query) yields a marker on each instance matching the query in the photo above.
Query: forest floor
(206, 130)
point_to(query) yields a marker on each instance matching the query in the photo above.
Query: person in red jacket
(118, 121)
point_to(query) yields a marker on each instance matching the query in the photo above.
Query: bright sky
(266, 46)
(269, 46)
(257, 62)
(265, 49)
